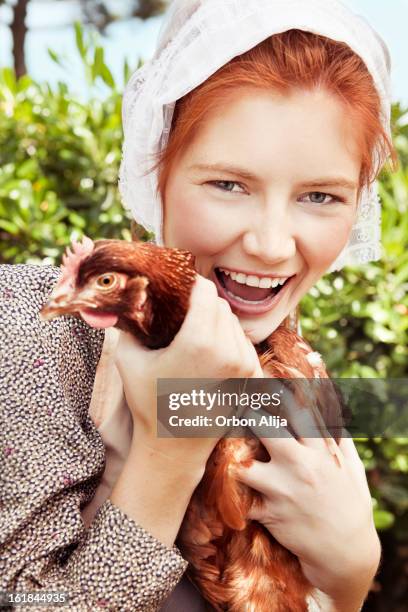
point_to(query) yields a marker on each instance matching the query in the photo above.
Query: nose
(270, 236)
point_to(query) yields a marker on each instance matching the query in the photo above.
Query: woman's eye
(225, 185)
(318, 197)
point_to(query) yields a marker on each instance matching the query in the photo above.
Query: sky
(134, 39)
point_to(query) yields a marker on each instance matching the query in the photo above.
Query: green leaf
(77, 220)
(402, 274)
(107, 77)
(98, 63)
(127, 73)
(383, 519)
(9, 78)
(55, 57)
(80, 42)
(9, 227)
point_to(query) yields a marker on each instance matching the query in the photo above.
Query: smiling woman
(266, 122)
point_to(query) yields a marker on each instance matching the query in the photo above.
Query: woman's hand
(210, 344)
(319, 509)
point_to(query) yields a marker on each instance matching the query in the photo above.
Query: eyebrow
(225, 168)
(331, 182)
(242, 173)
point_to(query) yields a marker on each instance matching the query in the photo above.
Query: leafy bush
(59, 160)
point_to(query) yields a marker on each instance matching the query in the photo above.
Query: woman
(265, 169)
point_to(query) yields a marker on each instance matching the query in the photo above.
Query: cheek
(194, 224)
(323, 242)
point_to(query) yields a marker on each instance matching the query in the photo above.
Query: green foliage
(59, 161)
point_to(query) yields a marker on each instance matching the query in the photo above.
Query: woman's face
(278, 201)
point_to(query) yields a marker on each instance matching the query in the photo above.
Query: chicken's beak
(63, 301)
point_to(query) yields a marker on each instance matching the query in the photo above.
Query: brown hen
(144, 289)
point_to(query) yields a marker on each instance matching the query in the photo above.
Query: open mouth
(244, 293)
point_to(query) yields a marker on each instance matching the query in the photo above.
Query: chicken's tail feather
(256, 573)
(262, 575)
(224, 491)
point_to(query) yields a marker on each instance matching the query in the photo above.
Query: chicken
(138, 287)
(144, 289)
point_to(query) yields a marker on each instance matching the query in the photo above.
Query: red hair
(282, 63)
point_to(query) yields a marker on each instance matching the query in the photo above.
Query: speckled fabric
(51, 461)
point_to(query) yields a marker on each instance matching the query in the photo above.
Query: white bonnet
(197, 38)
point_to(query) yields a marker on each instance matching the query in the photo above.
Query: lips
(255, 308)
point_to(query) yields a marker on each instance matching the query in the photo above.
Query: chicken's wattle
(98, 319)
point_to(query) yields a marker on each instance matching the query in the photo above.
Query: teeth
(265, 283)
(254, 281)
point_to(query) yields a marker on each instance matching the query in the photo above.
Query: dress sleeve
(51, 462)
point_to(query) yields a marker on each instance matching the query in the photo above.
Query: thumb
(253, 476)
(258, 372)
(250, 477)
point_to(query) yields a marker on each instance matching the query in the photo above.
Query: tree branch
(19, 31)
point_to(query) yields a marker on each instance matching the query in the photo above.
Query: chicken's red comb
(72, 260)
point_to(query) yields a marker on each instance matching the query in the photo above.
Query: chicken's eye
(106, 281)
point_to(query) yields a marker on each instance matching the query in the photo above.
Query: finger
(232, 339)
(348, 447)
(350, 454)
(258, 476)
(276, 438)
(283, 448)
(257, 368)
(266, 425)
(226, 331)
(202, 313)
(303, 422)
(246, 348)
